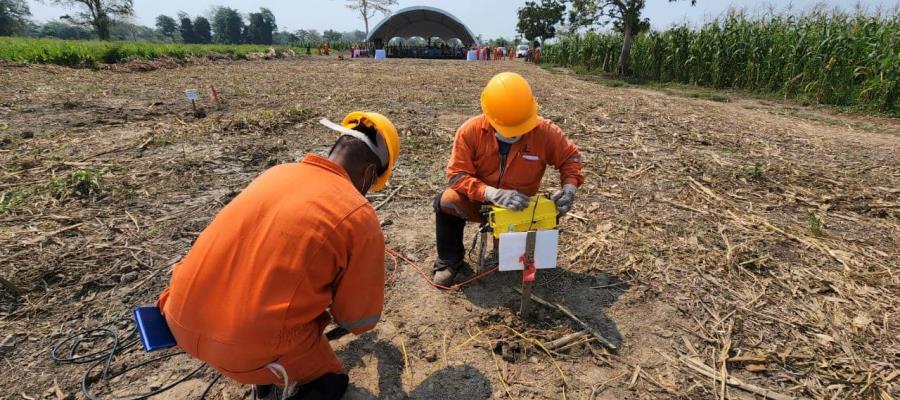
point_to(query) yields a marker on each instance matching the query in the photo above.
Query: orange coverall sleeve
(461, 170)
(564, 156)
(359, 290)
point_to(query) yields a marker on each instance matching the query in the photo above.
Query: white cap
(380, 149)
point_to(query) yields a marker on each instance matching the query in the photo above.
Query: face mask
(367, 184)
(505, 139)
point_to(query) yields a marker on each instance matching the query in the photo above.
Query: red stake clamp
(529, 272)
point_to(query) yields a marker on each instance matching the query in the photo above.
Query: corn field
(89, 53)
(827, 58)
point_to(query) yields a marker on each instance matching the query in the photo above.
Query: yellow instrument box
(538, 216)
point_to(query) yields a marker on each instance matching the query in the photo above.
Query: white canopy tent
(421, 21)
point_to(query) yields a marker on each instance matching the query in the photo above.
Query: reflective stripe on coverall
(254, 288)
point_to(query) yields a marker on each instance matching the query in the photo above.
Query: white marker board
(512, 248)
(192, 94)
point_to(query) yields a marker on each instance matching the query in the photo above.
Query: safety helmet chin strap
(380, 149)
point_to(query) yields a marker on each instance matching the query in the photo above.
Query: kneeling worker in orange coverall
(500, 157)
(298, 247)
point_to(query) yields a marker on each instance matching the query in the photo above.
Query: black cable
(472, 248)
(534, 212)
(106, 355)
(86, 378)
(208, 388)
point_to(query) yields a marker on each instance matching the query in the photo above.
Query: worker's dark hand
(564, 198)
(505, 198)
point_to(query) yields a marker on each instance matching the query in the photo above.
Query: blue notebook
(155, 333)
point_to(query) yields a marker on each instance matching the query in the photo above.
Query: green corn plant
(819, 57)
(87, 53)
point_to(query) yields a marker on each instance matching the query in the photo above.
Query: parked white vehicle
(522, 51)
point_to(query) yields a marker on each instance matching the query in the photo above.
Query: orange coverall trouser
(241, 362)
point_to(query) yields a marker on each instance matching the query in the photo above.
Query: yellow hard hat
(509, 105)
(388, 132)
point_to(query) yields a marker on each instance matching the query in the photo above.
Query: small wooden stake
(526, 298)
(526, 284)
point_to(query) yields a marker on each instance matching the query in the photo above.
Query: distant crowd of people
(442, 50)
(487, 53)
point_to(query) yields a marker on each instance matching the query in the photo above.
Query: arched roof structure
(422, 21)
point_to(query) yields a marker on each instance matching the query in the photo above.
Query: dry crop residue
(711, 240)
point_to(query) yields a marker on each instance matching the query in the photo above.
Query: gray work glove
(510, 199)
(564, 198)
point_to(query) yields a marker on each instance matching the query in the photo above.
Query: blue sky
(490, 18)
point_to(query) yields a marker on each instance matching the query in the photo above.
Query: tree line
(107, 20)
(226, 25)
(540, 21)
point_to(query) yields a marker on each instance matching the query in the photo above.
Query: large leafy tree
(202, 30)
(369, 8)
(122, 30)
(166, 26)
(308, 35)
(13, 17)
(186, 29)
(538, 21)
(99, 14)
(284, 38)
(332, 35)
(354, 36)
(63, 30)
(227, 25)
(624, 15)
(261, 27)
(500, 42)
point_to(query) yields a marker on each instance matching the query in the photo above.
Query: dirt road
(758, 239)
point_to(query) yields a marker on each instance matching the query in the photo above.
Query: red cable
(395, 255)
(393, 275)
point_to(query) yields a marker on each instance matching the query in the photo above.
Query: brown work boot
(445, 272)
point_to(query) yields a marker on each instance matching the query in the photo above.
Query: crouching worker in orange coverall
(298, 247)
(500, 157)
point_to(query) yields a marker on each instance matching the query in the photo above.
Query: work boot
(445, 272)
(330, 386)
(261, 392)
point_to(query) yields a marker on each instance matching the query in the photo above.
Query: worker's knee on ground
(248, 363)
(453, 203)
(304, 367)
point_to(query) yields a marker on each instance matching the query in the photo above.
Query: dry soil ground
(748, 240)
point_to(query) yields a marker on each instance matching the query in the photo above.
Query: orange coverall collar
(326, 164)
(488, 128)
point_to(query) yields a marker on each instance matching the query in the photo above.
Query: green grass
(818, 58)
(85, 183)
(815, 224)
(89, 53)
(14, 198)
(161, 141)
(756, 172)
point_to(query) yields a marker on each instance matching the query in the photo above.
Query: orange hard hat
(388, 132)
(509, 105)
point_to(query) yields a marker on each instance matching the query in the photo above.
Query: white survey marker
(512, 248)
(192, 94)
